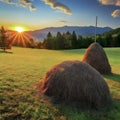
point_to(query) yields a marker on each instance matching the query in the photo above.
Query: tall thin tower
(96, 27)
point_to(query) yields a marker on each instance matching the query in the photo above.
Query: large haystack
(96, 57)
(76, 82)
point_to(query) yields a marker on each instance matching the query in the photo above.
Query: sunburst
(20, 38)
(19, 29)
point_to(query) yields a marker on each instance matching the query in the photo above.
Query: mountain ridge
(41, 34)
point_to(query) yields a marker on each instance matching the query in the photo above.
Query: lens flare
(19, 29)
(20, 38)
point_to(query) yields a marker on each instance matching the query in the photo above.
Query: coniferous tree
(101, 41)
(4, 42)
(80, 41)
(118, 40)
(68, 40)
(74, 40)
(48, 41)
(49, 35)
(115, 42)
(108, 38)
(60, 41)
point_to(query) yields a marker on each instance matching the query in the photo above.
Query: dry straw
(76, 82)
(96, 57)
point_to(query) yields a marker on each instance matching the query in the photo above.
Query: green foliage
(112, 38)
(4, 42)
(48, 42)
(61, 41)
(67, 40)
(72, 41)
(114, 31)
(22, 70)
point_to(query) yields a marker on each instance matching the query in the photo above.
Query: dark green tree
(49, 35)
(118, 40)
(67, 40)
(74, 40)
(108, 38)
(39, 45)
(101, 40)
(80, 41)
(60, 41)
(48, 41)
(4, 41)
(115, 42)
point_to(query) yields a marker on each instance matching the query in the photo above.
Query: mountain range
(84, 31)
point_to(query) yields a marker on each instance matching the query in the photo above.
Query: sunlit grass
(24, 68)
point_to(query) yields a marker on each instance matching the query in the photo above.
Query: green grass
(21, 70)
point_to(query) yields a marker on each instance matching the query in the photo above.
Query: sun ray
(30, 36)
(23, 41)
(27, 38)
(27, 34)
(14, 39)
(20, 38)
(12, 35)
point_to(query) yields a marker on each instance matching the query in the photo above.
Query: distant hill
(113, 32)
(84, 31)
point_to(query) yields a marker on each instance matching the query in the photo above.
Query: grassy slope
(22, 70)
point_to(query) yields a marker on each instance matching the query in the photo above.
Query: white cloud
(116, 13)
(58, 5)
(22, 3)
(8, 1)
(29, 3)
(32, 7)
(25, 1)
(110, 2)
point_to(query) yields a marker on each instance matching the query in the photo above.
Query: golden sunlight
(20, 38)
(19, 29)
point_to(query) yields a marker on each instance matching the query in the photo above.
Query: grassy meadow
(20, 72)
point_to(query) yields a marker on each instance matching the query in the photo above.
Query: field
(20, 72)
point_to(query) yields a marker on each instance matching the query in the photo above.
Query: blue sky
(38, 14)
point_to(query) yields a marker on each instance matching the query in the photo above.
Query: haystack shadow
(113, 76)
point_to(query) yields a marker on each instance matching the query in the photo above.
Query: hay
(96, 57)
(76, 82)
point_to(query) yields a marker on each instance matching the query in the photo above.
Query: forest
(72, 41)
(60, 41)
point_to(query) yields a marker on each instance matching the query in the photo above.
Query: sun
(19, 29)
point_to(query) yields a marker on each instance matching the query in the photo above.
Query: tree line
(72, 41)
(65, 40)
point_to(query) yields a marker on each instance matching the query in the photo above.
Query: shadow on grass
(1, 51)
(72, 51)
(73, 113)
(113, 77)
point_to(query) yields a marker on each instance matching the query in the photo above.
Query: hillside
(113, 31)
(84, 31)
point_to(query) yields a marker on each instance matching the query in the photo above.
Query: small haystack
(76, 82)
(96, 57)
